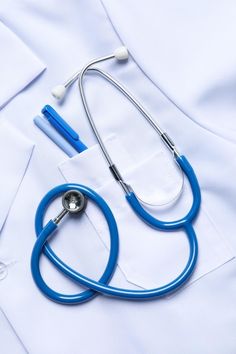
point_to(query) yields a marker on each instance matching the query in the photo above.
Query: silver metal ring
(74, 201)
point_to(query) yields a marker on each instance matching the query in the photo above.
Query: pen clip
(51, 114)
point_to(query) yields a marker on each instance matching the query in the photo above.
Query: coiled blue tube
(45, 232)
(101, 286)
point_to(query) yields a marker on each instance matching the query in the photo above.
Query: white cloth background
(18, 67)
(18, 64)
(186, 49)
(200, 319)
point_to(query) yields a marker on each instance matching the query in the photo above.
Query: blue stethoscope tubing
(44, 232)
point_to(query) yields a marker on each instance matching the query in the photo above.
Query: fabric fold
(18, 65)
(15, 153)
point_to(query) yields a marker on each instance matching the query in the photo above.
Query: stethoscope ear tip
(58, 92)
(121, 53)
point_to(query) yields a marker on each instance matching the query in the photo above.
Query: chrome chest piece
(73, 202)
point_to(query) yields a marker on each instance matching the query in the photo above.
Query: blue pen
(63, 128)
(44, 125)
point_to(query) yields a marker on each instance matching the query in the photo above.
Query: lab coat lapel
(15, 153)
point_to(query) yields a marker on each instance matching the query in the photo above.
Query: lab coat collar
(16, 70)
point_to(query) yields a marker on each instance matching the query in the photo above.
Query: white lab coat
(17, 71)
(186, 98)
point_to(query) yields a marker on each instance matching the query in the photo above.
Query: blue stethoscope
(75, 198)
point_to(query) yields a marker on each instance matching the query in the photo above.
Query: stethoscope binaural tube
(181, 161)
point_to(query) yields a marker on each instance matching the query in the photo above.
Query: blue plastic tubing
(95, 287)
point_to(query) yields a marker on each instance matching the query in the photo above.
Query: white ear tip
(121, 53)
(58, 92)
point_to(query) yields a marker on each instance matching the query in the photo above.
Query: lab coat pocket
(148, 257)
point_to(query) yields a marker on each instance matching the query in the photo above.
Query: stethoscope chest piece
(74, 201)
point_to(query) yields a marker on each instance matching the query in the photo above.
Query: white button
(3, 270)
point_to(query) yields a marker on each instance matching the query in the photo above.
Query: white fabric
(9, 340)
(202, 317)
(18, 65)
(147, 258)
(185, 48)
(15, 152)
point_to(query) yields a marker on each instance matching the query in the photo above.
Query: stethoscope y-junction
(74, 200)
